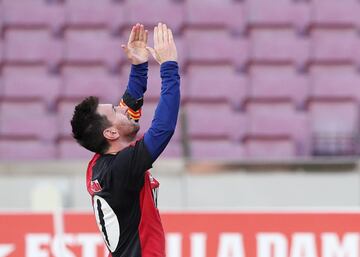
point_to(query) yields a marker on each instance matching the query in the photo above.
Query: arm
(136, 51)
(164, 122)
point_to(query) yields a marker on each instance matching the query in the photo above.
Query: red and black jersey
(124, 198)
(124, 194)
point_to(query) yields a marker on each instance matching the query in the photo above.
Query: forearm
(133, 96)
(164, 122)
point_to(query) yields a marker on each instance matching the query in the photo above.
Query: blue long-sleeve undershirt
(138, 80)
(163, 125)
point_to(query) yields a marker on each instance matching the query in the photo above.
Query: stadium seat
(335, 13)
(33, 14)
(334, 116)
(65, 111)
(279, 82)
(1, 49)
(215, 14)
(31, 46)
(172, 150)
(219, 83)
(281, 148)
(278, 13)
(92, 46)
(334, 127)
(216, 150)
(214, 121)
(148, 111)
(278, 46)
(335, 82)
(30, 83)
(68, 149)
(211, 46)
(18, 149)
(278, 119)
(26, 120)
(1, 16)
(168, 11)
(335, 46)
(92, 14)
(80, 82)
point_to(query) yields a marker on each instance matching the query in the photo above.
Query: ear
(111, 133)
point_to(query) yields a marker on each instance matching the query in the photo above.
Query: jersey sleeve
(164, 123)
(134, 94)
(130, 165)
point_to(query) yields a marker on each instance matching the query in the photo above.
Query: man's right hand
(164, 46)
(136, 47)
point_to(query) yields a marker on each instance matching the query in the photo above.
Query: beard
(134, 130)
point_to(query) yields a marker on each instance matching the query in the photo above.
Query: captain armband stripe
(135, 115)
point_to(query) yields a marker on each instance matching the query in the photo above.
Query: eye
(113, 107)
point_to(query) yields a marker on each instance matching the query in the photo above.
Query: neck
(118, 145)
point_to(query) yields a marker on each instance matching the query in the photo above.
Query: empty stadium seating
(221, 14)
(203, 83)
(15, 150)
(334, 125)
(281, 13)
(158, 11)
(30, 82)
(335, 82)
(279, 46)
(92, 46)
(278, 83)
(79, 82)
(68, 149)
(219, 149)
(333, 13)
(269, 121)
(26, 120)
(65, 111)
(335, 46)
(210, 46)
(282, 148)
(260, 79)
(29, 14)
(95, 14)
(32, 46)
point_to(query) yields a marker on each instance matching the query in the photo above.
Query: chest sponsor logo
(95, 186)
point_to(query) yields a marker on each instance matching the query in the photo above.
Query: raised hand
(136, 47)
(164, 46)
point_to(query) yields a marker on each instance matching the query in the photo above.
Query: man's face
(120, 119)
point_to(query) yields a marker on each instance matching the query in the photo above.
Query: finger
(146, 35)
(132, 35)
(171, 37)
(156, 37)
(137, 32)
(142, 33)
(165, 34)
(160, 34)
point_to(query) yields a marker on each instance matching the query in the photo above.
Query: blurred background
(270, 101)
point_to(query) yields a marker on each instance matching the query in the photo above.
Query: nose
(124, 109)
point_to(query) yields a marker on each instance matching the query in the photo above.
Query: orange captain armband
(135, 115)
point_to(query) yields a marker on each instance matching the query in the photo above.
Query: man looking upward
(124, 194)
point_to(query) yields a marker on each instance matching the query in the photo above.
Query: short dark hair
(88, 126)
